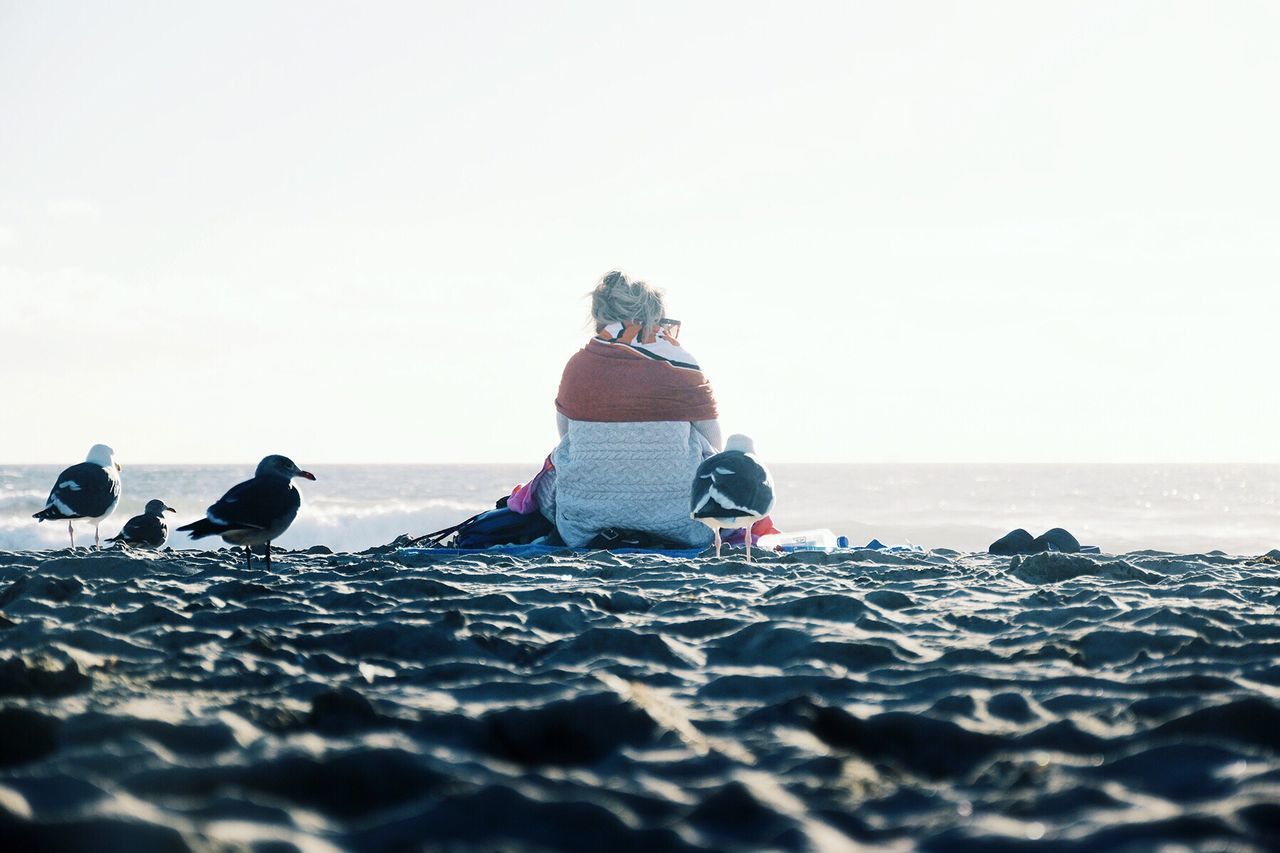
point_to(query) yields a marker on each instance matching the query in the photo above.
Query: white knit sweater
(635, 476)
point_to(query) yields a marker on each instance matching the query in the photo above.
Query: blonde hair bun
(617, 299)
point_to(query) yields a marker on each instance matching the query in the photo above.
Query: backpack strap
(433, 540)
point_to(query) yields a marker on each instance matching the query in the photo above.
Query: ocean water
(1180, 508)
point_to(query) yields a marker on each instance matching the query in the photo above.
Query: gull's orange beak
(118, 468)
(307, 475)
(169, 509)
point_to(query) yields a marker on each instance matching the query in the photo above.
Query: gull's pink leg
(717, 541)
(748, 544)
(72, 533)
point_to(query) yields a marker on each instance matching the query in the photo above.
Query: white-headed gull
(731, 490)
(89, 490)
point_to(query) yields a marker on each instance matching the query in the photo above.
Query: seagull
(148, 530)
(255, 511)
(732, 489)
(89, 490)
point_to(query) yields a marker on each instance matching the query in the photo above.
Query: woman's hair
(618, 299)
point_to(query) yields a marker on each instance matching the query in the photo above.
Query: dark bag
(499, 526)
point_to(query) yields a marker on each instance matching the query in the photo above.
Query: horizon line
(967, 463)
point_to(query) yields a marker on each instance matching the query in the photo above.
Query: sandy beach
(395, 699)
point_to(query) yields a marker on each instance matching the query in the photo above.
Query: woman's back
(628, 475)
(636, 418)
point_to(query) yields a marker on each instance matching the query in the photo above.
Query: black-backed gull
(89, 491)
(149, 530)
(731, 490)
(255, 511)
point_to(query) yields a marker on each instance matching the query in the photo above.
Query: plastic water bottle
(803, 540)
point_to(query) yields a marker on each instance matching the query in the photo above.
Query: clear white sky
(356, 232)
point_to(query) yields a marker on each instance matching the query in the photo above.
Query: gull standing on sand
(89, 490)
(148, 530)
(732, 489)
(255, 511)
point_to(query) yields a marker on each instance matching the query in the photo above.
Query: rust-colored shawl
(617, 377)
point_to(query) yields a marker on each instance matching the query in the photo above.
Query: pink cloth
(524, 497)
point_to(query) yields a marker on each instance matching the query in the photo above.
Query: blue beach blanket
(544, 550)
(536, 550)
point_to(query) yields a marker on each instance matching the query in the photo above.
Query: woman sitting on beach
(636, 418)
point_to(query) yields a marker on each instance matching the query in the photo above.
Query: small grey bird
(731, 490)
(89, 490)
(256, 511)
(148, 530)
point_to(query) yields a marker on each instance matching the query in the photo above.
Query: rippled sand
(389, 700)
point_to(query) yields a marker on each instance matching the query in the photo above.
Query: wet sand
(391, 700)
